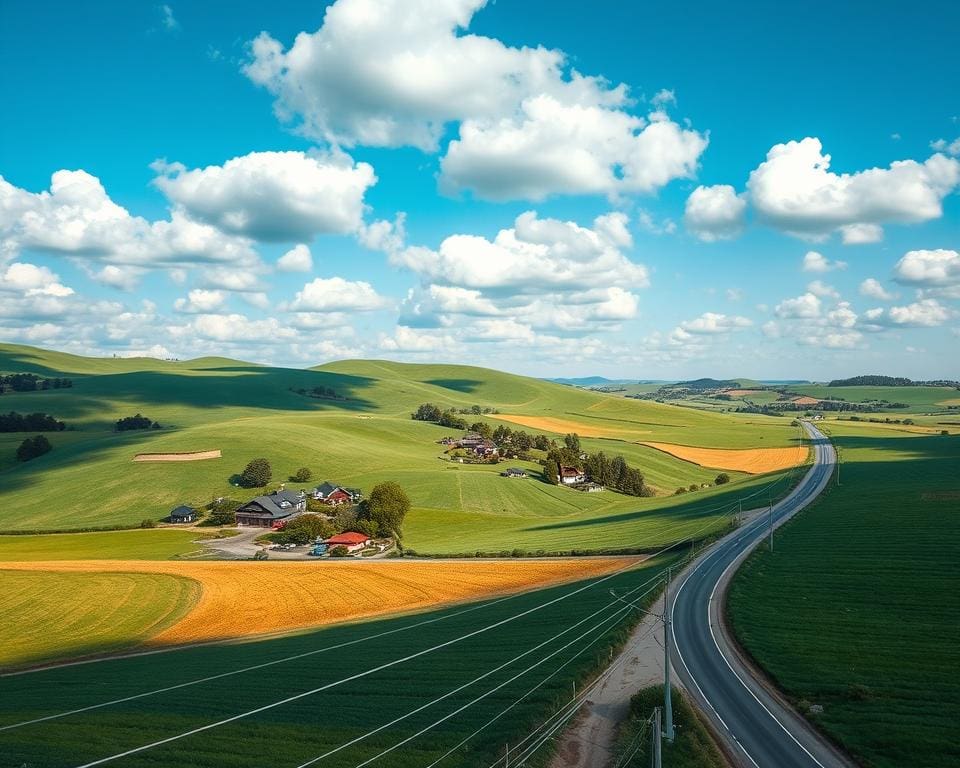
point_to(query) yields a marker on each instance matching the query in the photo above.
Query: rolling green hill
(364, 436)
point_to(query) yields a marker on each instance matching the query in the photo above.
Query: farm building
(334, 495)
(486, 448)
(513, 472)
(352, 540)
(267, 511)
(470, 440)
(589, 487)
(571, 476)
(183, 514)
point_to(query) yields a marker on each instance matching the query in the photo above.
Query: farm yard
(871, 575)
(507, 663)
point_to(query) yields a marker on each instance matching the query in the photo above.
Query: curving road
(757, 726)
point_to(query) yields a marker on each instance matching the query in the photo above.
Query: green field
(917, 399)
(152, 544)
(519, 697)
(62, 615)
(871, 576)
(90, 481)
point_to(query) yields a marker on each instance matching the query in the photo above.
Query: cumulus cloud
(926, 313)
(950, 147)
(871, 288)
(928, 269)
(806, 305)
(76, 217)
(711, 323)
(337, 295)
(201, 301)
(824, 291)
(31, 280)
(273, 196)
(297, 259)
(406, 339)
(794, 190)
(715, 213)
(817, 262)
(397, 72)
(233, 328)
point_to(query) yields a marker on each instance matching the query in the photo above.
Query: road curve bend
(759, 729)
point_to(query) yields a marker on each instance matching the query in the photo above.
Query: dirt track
(189, 456)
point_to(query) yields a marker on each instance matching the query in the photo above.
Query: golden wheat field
(753, 461)
(239, 599)
(564, 426)
(742, 392)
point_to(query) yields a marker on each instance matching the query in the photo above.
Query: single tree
(572, 441)
(302, 475)
(256, 474)
(33, 447)
(722, 479)
(386, 506)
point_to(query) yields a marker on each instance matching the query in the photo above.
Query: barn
(183, 514)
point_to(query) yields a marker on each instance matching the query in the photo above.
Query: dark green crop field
(287, 701)
(858, 608)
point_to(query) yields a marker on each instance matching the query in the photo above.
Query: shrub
(302, 475)
(722, 479)
(256, 474)
(694, 486)
(679, 490)
(260, 554)
(222, 512)
(339, 551)
(33, 447)
(148, 523)
(135, 422)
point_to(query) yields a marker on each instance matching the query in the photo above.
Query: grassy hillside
(917, 399)
(871, 576)
(89, 480)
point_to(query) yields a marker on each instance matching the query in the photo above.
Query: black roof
(275, 505)
(183, 509)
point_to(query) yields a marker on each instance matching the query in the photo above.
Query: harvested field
(240, 599)
(804, 400)
(564, 426)
(951, 401)
(742, 392)
(753, 461)
(187, 456)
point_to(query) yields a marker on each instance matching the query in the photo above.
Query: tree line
(445, 418)
(30, 382)
(135, 422)
(30, 422)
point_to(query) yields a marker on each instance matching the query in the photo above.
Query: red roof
(348, 538)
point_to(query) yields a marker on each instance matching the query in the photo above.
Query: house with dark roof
(271, 509)
(183, 514)
(514, 472)
(571, 476)
(334, 495)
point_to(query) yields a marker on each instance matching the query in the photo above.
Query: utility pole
(838, 465)
(739, 511)
(667, 636)
(655, 737)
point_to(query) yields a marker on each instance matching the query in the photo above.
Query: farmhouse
(267, 511)
(334, 495)
(571, 476)
(352, 540)
(486, 448)
(513, 472)
(183, 514)
(471, 440)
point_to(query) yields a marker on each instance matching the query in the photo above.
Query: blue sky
(549, 188)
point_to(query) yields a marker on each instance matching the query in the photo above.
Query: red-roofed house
(571, 476)
(352, 540)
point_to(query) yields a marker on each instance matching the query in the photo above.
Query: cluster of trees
(303, 529)
(873, 381)
(29, 422)
(256, 474)
(30, 382)
(135, 422)
(302, 475)
(477, 410)
(445, 418)
(519, 441)
(722, 479)
(222, 511)
(610, 472)
(33, 447)
(324, 393)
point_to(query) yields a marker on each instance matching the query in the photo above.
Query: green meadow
(505, 666)
(364, 436)
(917, 399)
(137, 544)
(858, 608)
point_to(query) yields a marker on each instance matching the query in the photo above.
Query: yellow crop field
(564, 426)
(742, 392)
(240, 599)
(753, 461)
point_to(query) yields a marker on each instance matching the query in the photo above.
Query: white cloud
(31, 280)
(240, 280)
(928, 269)
(201, 301)
(734, 294)
(817, 262)
(950, 147)
(794, 190)
(398, 72)
(872, 288)
(233, 327)
(925, 314)
(297, 259)
(556, 148)
(824, 291)
(120, 277)
(860, 234)
(711, 323)
(77, 217)
(715, 213)
(406, 339)
(273, 196)
(804, 306)
(167, 18)
(337, 295)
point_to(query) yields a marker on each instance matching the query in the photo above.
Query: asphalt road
(759, 729)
